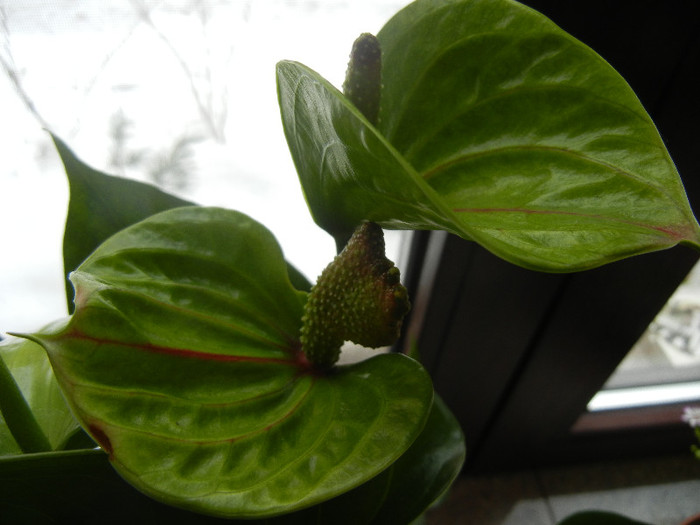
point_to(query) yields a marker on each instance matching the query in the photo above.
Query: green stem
(88, 462)
(18, 416)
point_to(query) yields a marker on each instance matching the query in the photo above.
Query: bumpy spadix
(357, 298)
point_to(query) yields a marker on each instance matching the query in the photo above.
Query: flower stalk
(18, 416)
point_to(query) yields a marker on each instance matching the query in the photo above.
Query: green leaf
(426, 470)
(31, 371)
(404, 491)
(101, 205)
(348, 171)
(8, 444)
(78, 487)
(72, 486)
(182, 360)
(499, 127)
(298, 279)
(18, 426)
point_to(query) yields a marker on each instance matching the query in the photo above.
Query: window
(664, 365)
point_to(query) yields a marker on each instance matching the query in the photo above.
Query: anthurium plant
(203, 367)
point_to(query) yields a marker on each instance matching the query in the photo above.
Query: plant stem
(18, 416)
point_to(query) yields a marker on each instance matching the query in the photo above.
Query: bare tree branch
(205, 102)
(7, 62)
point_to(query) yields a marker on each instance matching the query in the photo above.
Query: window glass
(664, 365)
(178, 93)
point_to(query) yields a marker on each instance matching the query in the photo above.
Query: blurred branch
(11, 71)
(172, 168)
(121, 156)
(87, 89)
(7, 62)
(215, 123)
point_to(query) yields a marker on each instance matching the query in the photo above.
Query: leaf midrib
(121, 392)
(75, 333)
(659, 189)
(112, 282)
(668, 232)
(427, 136)
(254, 284)
(264, 319)
(211, 442)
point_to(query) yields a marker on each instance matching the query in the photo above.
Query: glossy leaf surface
(76, 486)
(30, 368)
(497, 126)
(426, 470)
(101, 205)
(182, 360)
(349, 172)
(405, 490)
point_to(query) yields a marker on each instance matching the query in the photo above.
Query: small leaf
(101, 205)
(499, 127)
(348, 171)
(31, 370)
(183, 361)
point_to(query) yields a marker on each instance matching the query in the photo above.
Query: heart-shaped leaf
(101, 205)
(182, 360)
(405, 490)
(348, 171)
(426, 470)
(75, 485)
(497, 126)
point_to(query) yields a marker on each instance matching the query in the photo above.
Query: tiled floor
(659, 491)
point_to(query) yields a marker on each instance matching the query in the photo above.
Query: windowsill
(654, 490)
(630, 418)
